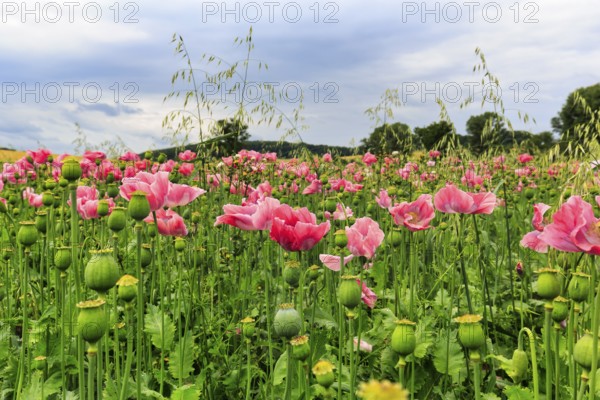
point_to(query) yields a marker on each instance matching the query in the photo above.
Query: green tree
(391, 137)
(486, 131)
(230, 136)
(572, 112)
(431, 134)
(543, 140)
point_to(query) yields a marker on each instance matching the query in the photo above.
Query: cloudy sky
(107, 65)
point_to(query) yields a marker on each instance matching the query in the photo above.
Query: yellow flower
(382, 390)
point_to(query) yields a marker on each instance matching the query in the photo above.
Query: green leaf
(153, 325)
(41, 390)
(448, 357)
(323, 318)
(181, 360)
(187, 392)
(489, 396)
(518, 393)
(280, 371)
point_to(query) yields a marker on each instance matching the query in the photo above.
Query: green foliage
(433, 133)
(153, 325)
(386, 139)
(182, 357)
(449, 358)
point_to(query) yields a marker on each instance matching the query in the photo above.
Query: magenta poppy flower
(40, 156)
(369, 159)
(250, 217)
(156, 186)
(368, 296)
(297, 230)
(525, 158)
(169, 223)
(573, 228)
(452, 200)
(364, 237)
(414, 216)
(94, 155)
(187, 155)
(333, 262)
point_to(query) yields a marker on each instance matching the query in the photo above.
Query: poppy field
(377, 277)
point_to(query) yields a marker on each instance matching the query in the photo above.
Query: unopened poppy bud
(110, 178)
(148, 155)
(520, 366)
(162, 157)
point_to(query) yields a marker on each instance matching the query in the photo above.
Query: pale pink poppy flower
(452, 200)
(383, 200)
(333, 262)
(414, 216)
(34, 200)
(169, 223)
(368, 296)
(249, 217)
(296, 230)
(315, 187)
(187, 155)
(364, 237)
(364, 345)
(369, 159)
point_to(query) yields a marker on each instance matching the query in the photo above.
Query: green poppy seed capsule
(548, 285)
(62, 182)
(62, 258)
(117, 219)
(146, 255)
(248, 327)
(340, 238)
(47, 199)
(179, 244)
(323, 371)
(101, 271)
(582, 353)
(300, 347)
(579, 287)
(41, 221)
(71, 170)
(103, 208)
(470, 331)
(39, 363)
(148, 155)
(349, 292)
(331, 204)
(110, 178)
(127, 288)
(112, 190)
(560, 309)
(394, 238)
(7, 253)
(162, 157)
(287, 322)
(313, 272)
(291, 273)
(92, 320)
(28, 233)
(139, 207)
(404, 340)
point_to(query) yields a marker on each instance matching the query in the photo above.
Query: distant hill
(283, 149)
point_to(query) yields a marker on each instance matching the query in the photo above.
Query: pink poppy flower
(416, 215)
(34, 200)
(342, 213)
(169, 223)
(573, 228)
(452, 200)
(94, 155)
(368, 296)
(315, 187)
(383, 200)
(327, 158)
(364, 345)
(249, 217)
(532, 241)
(181, 195)
(333, 262)
(539, 210)
(434, 154)
(186, 169)
(296, 230)
(187, 155)
(364, 237)
(156, 186)
(129, 156)
(369, 159)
